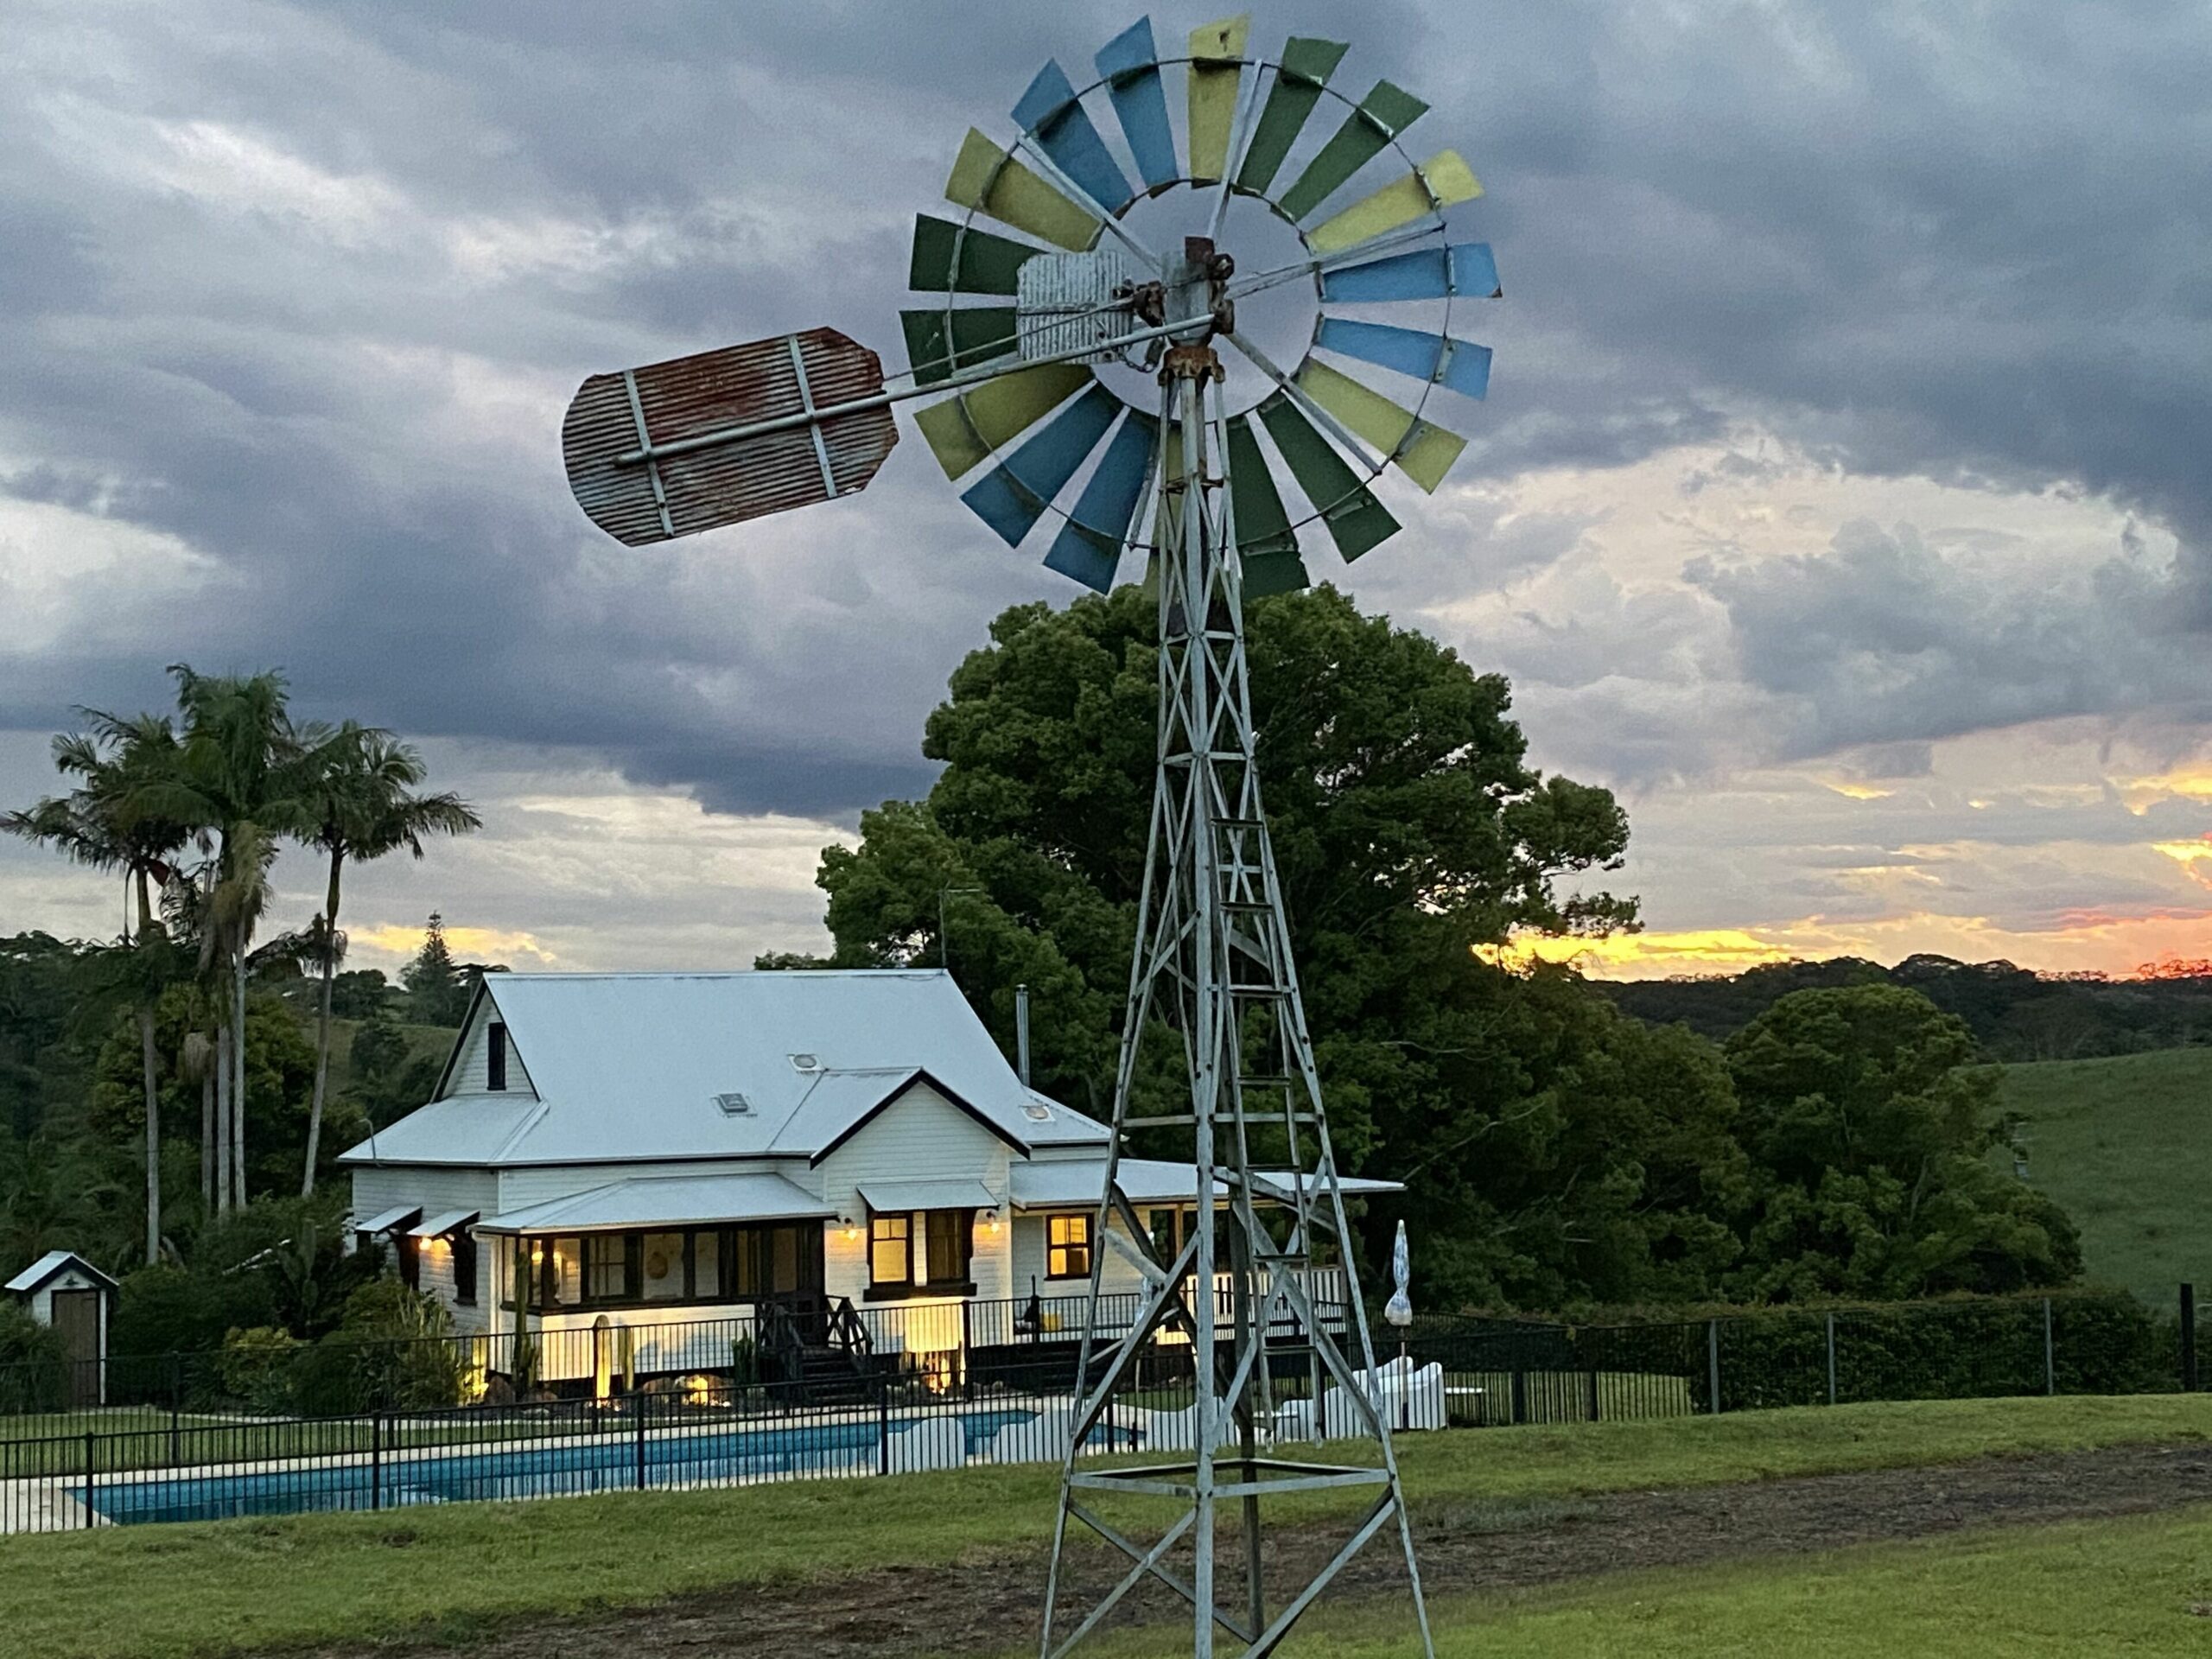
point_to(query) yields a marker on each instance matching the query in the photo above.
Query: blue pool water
(605, 1465)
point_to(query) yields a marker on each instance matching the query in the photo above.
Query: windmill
(1074, 356)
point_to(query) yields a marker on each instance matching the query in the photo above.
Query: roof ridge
(512, 978)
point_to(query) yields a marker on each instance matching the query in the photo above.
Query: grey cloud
(1931, 243)
(1886, 641)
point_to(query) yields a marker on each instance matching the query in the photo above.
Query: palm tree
(247, 774)
(366, 809)
(103, 823)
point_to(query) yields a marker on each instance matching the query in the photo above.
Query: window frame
(495, 1058)
(739, 1246)
(1067, 1235)
(880, 1223)
(465, 1266)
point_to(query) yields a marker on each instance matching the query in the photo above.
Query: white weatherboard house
(640, 1153)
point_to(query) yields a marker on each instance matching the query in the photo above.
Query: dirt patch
(983, 1606)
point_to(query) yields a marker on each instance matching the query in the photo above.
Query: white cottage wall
(921, 1136)
(379, 1187)
(472, 1070)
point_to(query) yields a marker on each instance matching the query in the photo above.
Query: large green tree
(1558, 1151)
(1869, 1124)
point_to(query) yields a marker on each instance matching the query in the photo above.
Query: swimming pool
(612, 1463)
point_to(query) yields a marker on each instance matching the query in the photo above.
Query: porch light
(991, 1220)
(852, 1227)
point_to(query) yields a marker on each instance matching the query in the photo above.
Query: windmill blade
(1050, 112)
(1422, 451)
(1012, 496)
(1215, 73)
(1381, 116)
(1130, 64)
(1443, 180)
(615, 439)
(951, 259)
(988, 180)
(1355, 520)
(1089, 546)
(1466, 268)
(939, 342)
(1305, 70)
(1457, 365)
(963, 429)
(1265, 541)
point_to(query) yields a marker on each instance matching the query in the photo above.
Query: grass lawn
(169, 1591)
(2125, 1145)
(2140, 1585)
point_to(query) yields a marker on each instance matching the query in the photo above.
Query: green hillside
(2125, 1145)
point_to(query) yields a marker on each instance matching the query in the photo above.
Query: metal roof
(628, 1066)
(1076, 1183)
(887, 1197)
(400, 1214)
(48, 1265)
(664, 1201)
(438, 1226)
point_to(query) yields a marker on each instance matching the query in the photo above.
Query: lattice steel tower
(1101, 399)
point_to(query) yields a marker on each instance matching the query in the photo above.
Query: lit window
(889, 1255)
(1067, 1254)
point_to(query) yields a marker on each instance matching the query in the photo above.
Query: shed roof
(631, 1066)
(51, 1265)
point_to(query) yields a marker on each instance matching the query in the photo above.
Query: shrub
(33, 1365)
(2102, 1342)
(256, 1367)
(395, 1351)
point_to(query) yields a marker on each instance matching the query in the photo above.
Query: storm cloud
(296, 295)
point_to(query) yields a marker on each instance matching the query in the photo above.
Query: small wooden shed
(63, 1290)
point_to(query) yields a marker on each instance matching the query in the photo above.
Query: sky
(1840, 499)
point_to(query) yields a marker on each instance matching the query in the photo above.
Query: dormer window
(495, 1056)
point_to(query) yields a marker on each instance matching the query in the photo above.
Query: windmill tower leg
(1213, 972)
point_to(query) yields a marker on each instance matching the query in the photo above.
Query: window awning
(438, 1226)
(400, 1214)
(888, 1197)
(664, 1201)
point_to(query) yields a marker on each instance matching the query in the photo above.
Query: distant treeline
(2014, 1013)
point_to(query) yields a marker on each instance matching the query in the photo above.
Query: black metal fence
(190, 1440)
(819, 1351)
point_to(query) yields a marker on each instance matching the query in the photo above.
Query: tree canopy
(1556, 1152)
(1869, 1127)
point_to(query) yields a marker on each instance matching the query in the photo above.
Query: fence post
(2050, 1352)
(1519, 1390)
(375, 1460)
(642, 1402)
(1830, 1357)
(1712, 1362)
(2188, 1338)
(88, 1477)
(1593, 1391)
(177, 1449)
(882, 1426)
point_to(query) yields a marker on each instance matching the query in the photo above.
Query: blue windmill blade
(1050, 113)
(1130, 64)
(1012, 496)
(1089, 546)
(1457, 365)
(1465, 271)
